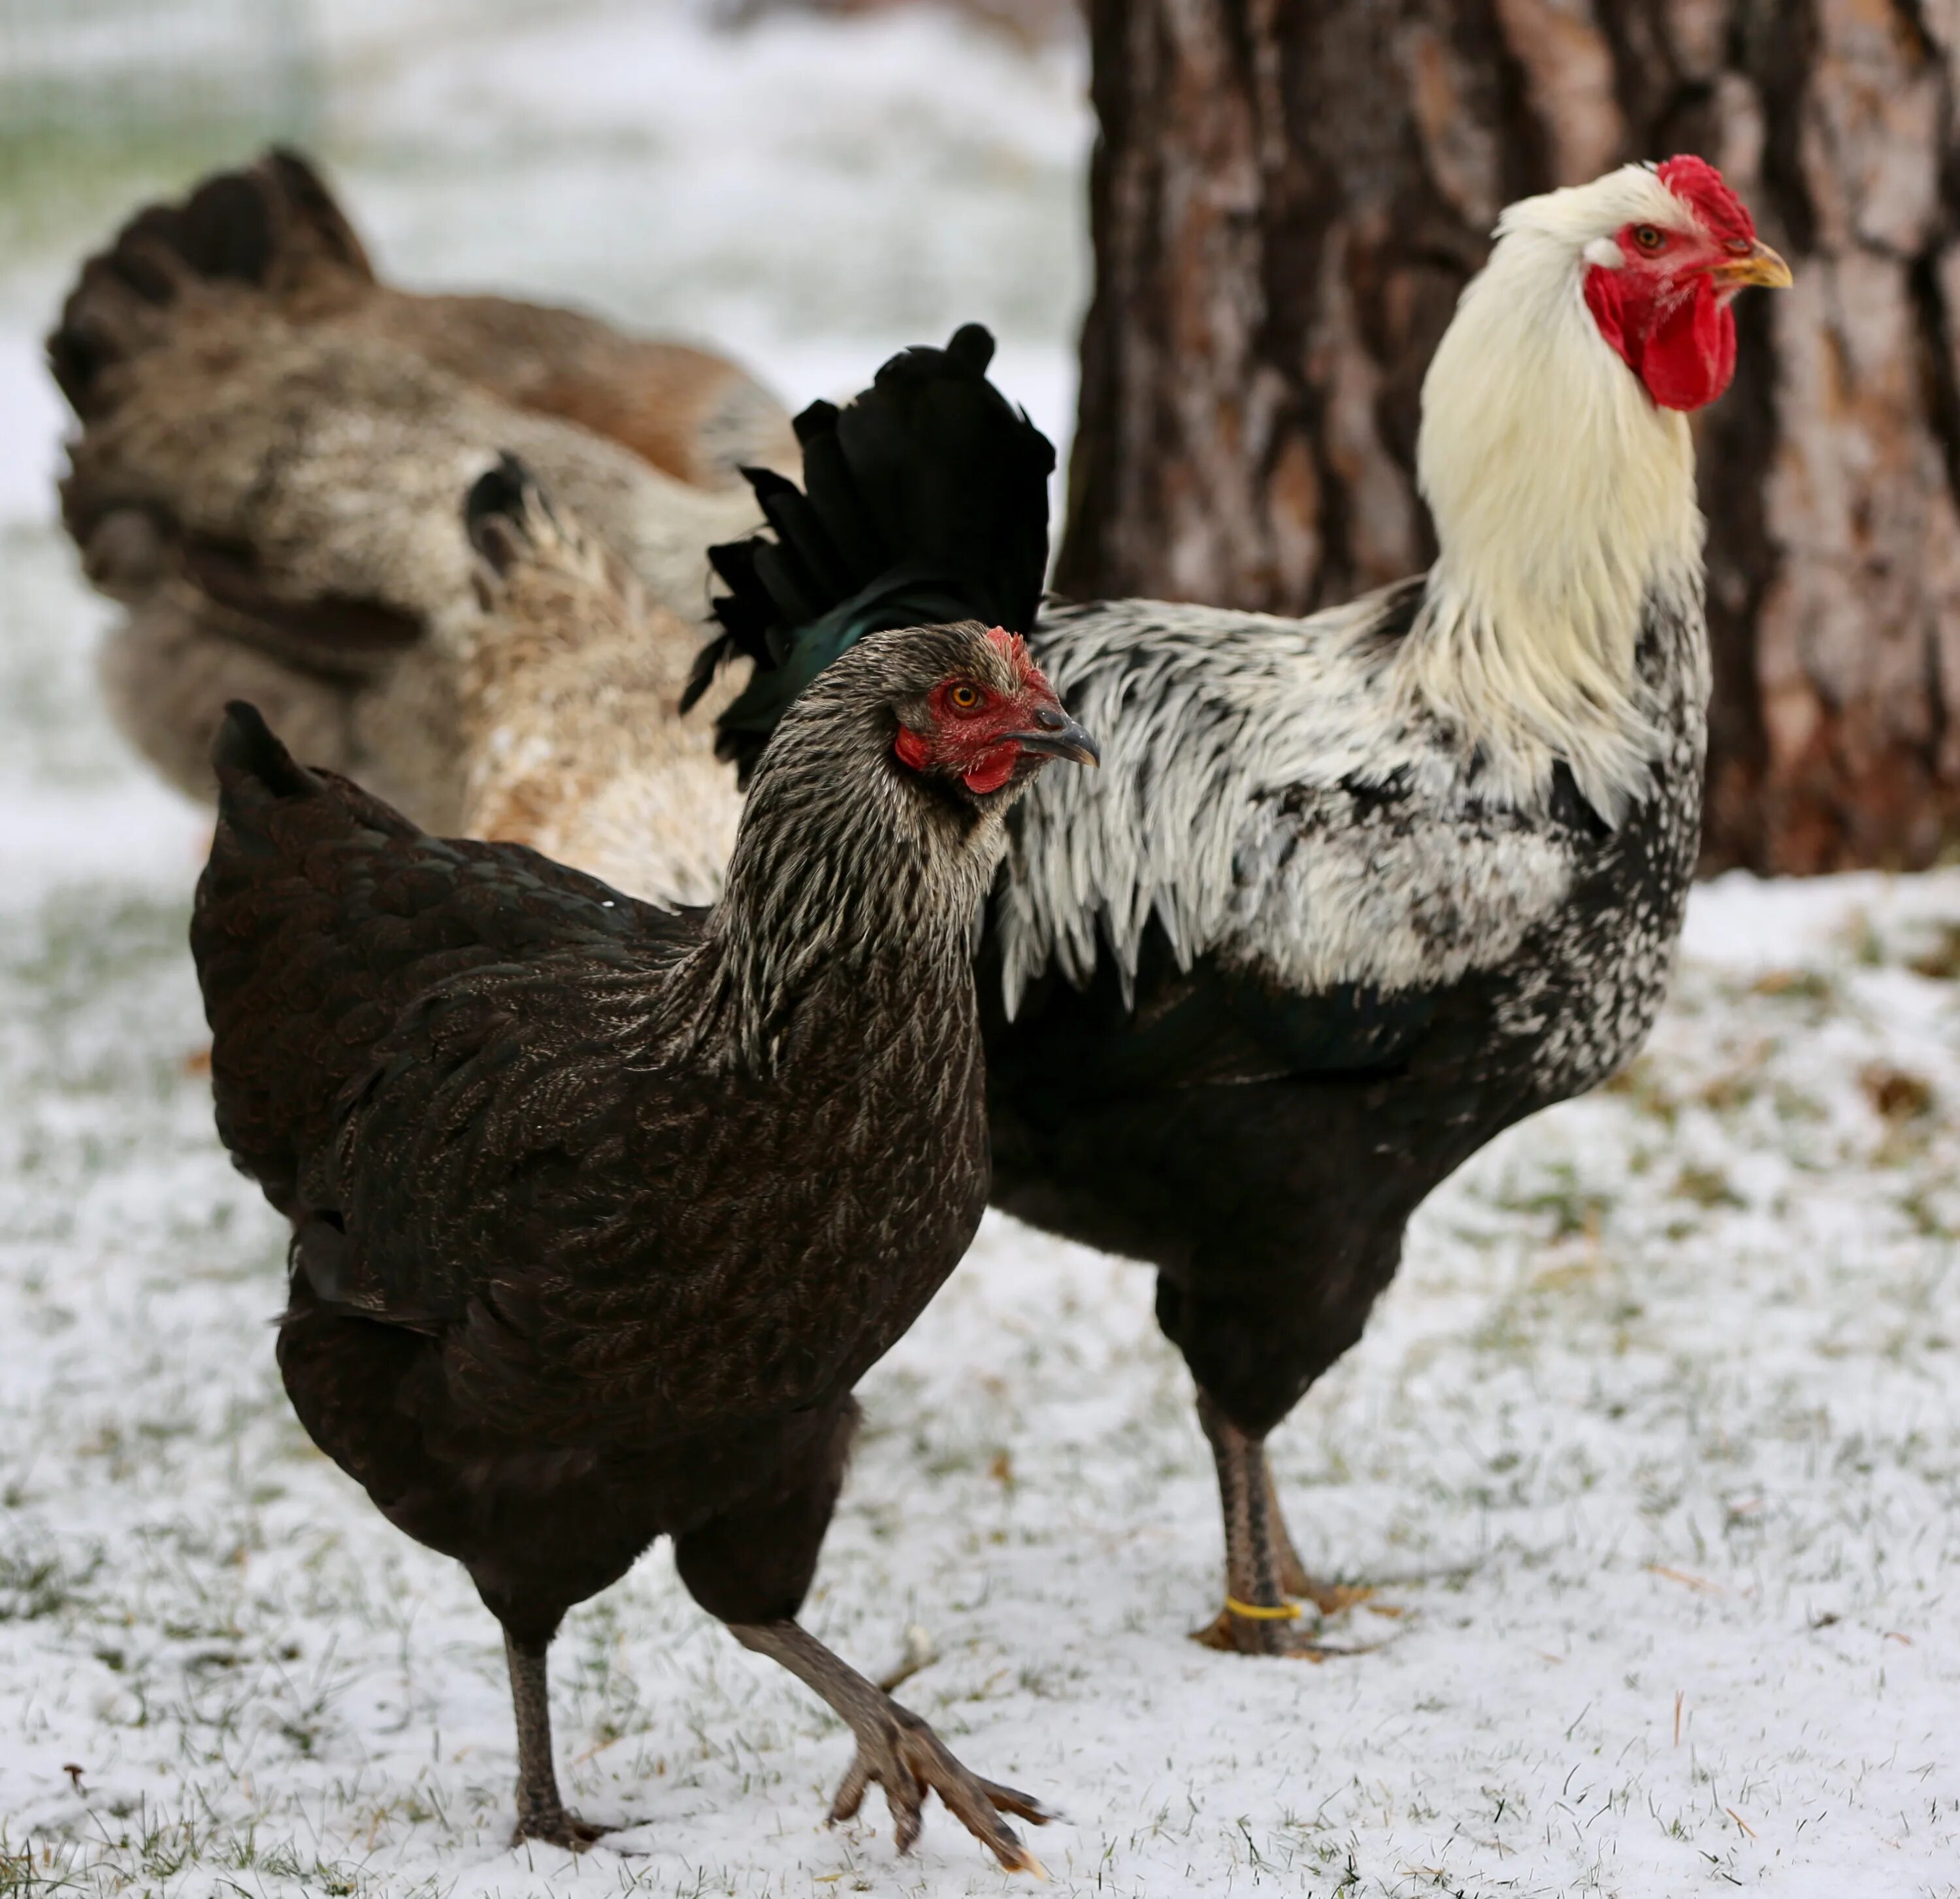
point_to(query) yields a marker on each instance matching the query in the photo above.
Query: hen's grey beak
(1056, 735)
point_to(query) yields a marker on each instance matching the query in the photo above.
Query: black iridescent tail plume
(924, 500)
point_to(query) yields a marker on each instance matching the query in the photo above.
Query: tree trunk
(1288, 195)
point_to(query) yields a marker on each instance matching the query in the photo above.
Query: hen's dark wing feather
(323, 913)
(614, 1241)
(506, 1175)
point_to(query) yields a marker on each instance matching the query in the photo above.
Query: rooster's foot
(1262, 1567)
(1237, 1634)
(1330, 1598)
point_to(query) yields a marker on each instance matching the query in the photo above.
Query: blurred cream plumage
(570, 733)
(273, 449)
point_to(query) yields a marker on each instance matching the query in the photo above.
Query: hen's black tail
(272, 810)
(247, 756)
(924, 500)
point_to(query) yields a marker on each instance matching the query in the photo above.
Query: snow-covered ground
(1653, 1449)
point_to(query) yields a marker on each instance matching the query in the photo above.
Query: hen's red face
(985, 730)
(1665, 305)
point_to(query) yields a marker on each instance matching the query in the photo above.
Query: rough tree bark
(1288, 196)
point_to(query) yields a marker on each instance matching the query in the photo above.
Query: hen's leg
(1261, 1567)
(896, 1750)
(541, 1814)
(751, 1566)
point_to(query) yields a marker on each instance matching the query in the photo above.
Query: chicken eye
(1649, 238)
(963, 698)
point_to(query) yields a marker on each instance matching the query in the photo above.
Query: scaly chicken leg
(541, 1813)
(1292, 1572)
(1262, 1568)
(896, 1750)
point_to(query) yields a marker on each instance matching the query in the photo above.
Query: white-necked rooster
(1351, 894)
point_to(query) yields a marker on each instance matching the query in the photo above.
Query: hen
(270, 449)
(599, 1212)
(1352, 893)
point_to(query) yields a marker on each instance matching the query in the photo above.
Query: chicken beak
(1761, 266)
(1055, 735)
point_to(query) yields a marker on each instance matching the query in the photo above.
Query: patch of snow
(33, 420)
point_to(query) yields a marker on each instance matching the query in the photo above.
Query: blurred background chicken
(569, 732)
(271, 442)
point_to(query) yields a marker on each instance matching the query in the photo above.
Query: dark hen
(599, 1212)
(1355, 892)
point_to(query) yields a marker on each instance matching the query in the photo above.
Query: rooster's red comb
(1699, 186)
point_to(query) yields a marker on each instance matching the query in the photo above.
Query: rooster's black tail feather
(924, 500)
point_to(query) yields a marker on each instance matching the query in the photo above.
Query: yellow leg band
(1252, 1611)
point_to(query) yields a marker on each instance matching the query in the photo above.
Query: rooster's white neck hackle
(1563, 500)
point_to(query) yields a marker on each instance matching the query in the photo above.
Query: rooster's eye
(963, 698)
(1648, 237)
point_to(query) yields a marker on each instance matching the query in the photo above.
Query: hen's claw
(903, 1755)
(896, 1751)
(560, 1828)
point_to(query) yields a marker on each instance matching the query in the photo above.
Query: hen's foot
(557, 1827)
(896, 1751)
(901, 1753)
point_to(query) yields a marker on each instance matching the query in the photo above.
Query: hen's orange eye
(964, 698)
(1648, 237)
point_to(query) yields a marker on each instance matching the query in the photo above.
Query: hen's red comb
(1013, 645)
(1698, 185)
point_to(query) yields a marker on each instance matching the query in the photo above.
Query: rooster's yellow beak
(1760, 266)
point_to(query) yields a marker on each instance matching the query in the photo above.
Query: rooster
(599, 1212)
(1352, 894)
(272, 444)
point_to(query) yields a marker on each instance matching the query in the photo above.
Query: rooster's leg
(541, 1814)
(1262, 1568)
(1293, 1575)
(896, 1750)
